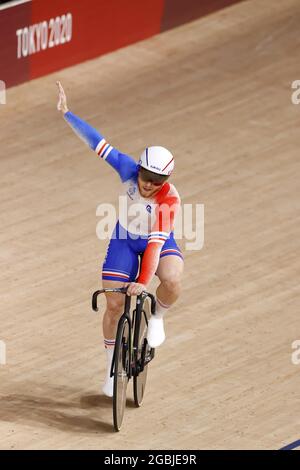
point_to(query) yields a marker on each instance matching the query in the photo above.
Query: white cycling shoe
(108, 387)
(156, 333)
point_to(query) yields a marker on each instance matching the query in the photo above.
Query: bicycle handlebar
(122, 290)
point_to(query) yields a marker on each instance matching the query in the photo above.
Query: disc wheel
(121, 372)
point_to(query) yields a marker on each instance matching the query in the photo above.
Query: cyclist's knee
(115, 305)
(172, 284)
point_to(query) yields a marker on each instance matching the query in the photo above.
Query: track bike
(132, 352)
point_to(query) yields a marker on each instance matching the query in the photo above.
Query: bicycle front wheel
(121, 372)
(144, 355)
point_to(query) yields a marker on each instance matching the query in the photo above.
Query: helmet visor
(154, 178)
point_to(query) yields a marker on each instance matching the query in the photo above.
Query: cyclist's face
(148, 188)
(149, 183)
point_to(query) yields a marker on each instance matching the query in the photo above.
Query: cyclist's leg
(114, 308)
(169, 272)
(114, 305)
(119, 268)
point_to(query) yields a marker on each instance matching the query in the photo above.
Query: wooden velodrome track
(218, 93)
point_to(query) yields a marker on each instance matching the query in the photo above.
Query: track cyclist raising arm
(150, 235)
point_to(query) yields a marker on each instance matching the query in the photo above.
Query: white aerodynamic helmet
(157, 160)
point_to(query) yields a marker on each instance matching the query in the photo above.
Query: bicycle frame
(139, 301)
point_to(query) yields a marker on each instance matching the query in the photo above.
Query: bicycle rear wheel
(121, 372)
(144, 355)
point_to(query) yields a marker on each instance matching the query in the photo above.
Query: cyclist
(150, 235)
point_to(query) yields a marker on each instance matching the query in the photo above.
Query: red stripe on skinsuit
(105, 143)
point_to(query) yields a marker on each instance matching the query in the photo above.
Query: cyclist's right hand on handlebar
(135, 288)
